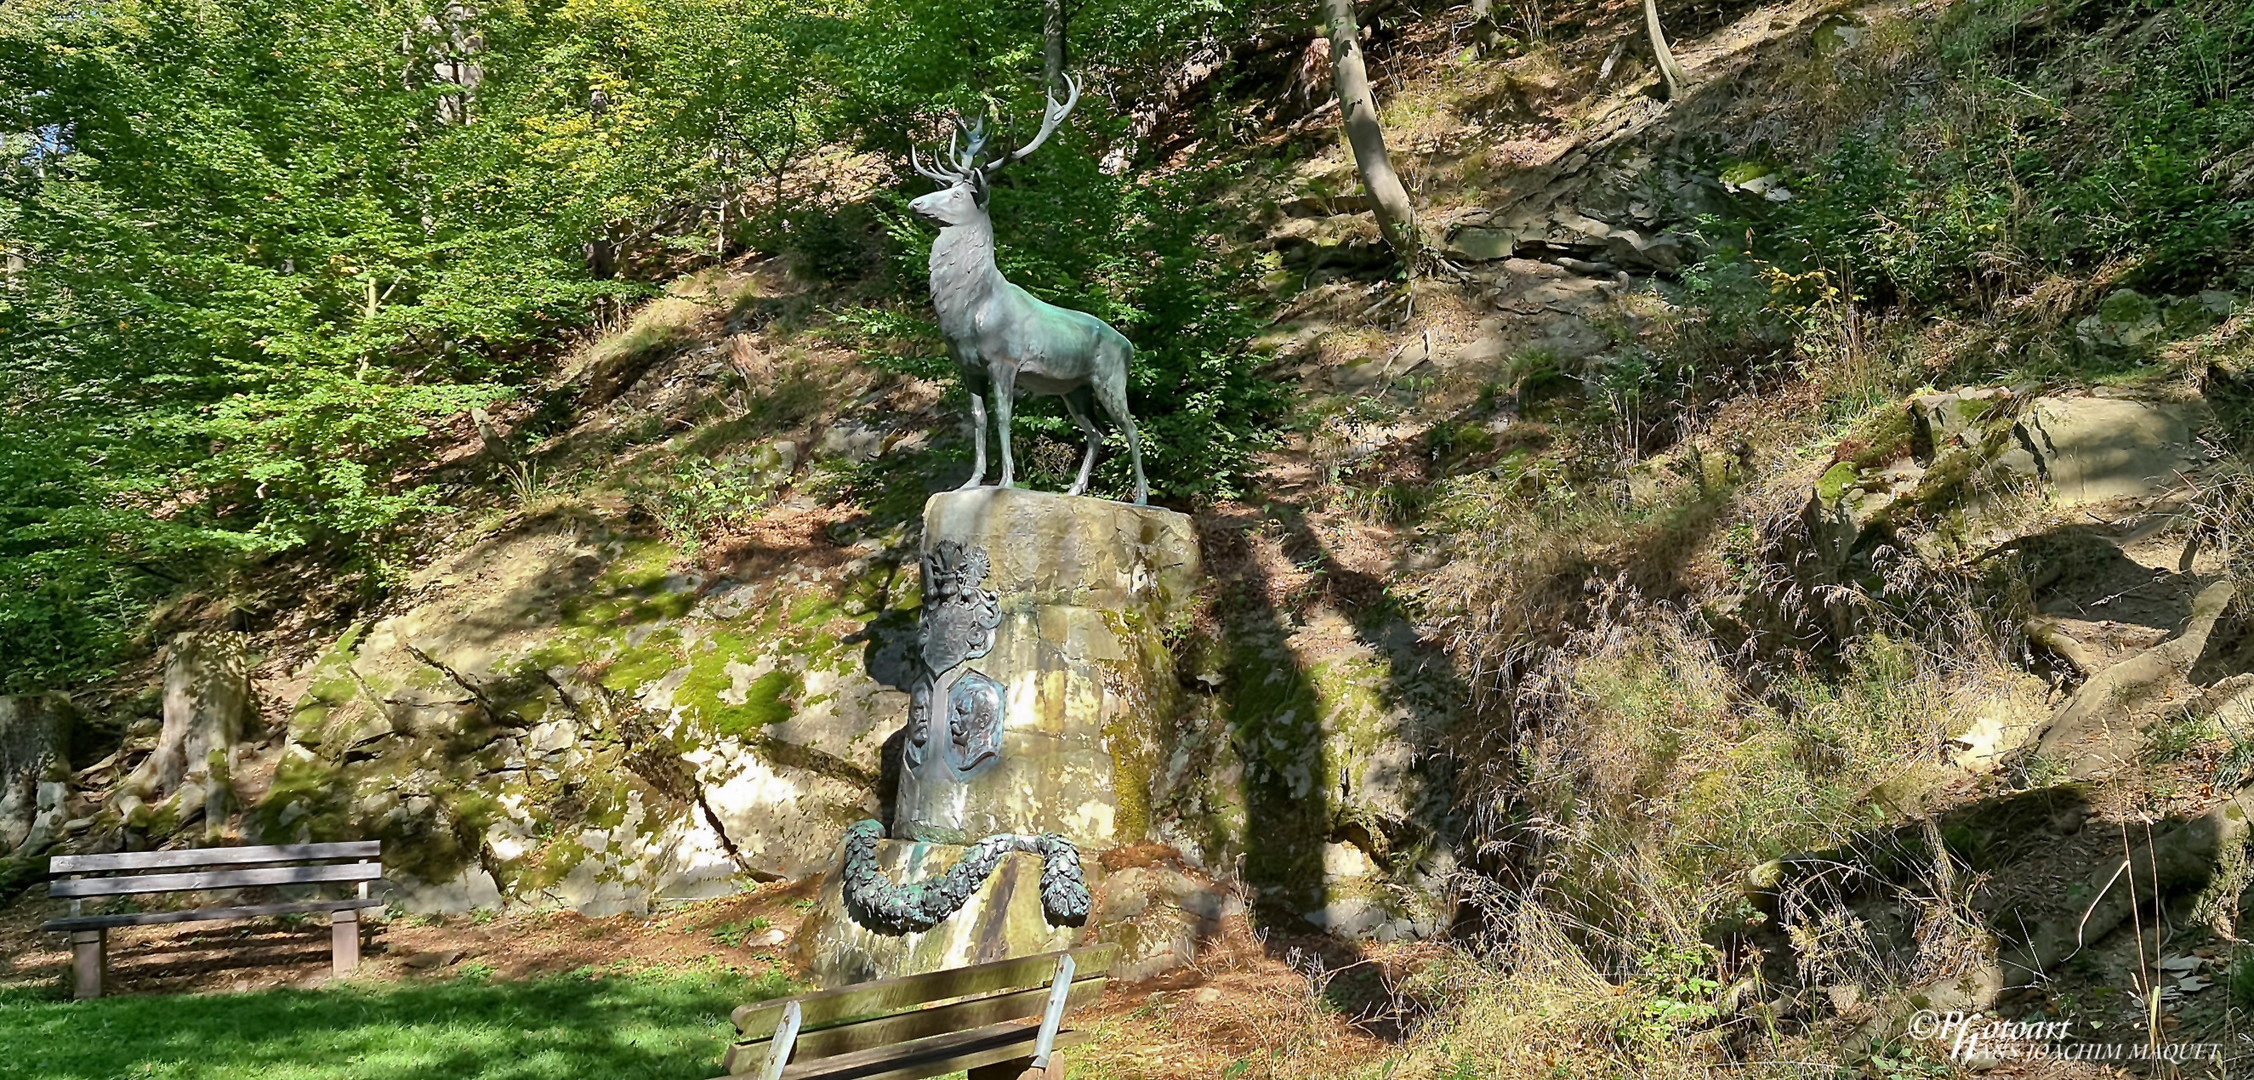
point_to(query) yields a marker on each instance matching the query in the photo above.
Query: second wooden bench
(78, 878)
(917, 1026)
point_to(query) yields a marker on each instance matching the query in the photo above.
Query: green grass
(732, 934)
(617, 1027)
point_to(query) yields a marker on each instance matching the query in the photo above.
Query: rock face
(1989, 467)
(2074, 526)
(32, 737)
(206, 707)
(564, 716)
(2094, 450)
(2084, 497)
(1160, 917)
(1002, 919)
(1070, 653)
(1308, 773)
(566, 719)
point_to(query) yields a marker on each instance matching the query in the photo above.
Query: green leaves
(267, 249)
(256, 269)
(2045, 156)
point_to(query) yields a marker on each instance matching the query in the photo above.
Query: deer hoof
(967, 484)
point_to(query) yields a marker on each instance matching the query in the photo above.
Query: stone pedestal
(1043, 682)
(1077, 595)
(1003, 919)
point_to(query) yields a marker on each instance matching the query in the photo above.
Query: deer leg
(1135, 454)
(1005, 393)
(977, 441)
(1111, 390)
(1079, 411)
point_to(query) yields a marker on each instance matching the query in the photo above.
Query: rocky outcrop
(564, 719)
(2094, 450)
(1971, 473)
(1310, 775)
(2085, 515)
(1563, 232)
(1608, 207)
(563, 716)
(2084, 499)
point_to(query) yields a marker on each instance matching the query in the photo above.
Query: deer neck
(962, 273)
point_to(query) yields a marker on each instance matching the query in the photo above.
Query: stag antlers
(968, 141)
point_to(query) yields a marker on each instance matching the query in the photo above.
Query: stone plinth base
(1003, 919)
(1064, 636)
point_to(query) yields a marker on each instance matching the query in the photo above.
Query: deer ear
(979, 190)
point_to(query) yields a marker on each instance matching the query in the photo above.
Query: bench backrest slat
(212, 879)
(751, 1052)
(883, 997)
(213, 856)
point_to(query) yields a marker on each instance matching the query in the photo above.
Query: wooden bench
(79, 878)
(917, 1026)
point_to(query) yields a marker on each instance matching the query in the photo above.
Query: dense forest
(1725, 527)
(257, 251)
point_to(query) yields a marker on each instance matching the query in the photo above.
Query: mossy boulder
(1974, 467)
(1318, 739)
(568, 717)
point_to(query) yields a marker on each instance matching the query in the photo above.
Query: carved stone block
(1044, 627)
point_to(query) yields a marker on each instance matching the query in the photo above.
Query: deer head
(963, 199)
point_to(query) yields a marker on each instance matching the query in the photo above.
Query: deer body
(1006, 340)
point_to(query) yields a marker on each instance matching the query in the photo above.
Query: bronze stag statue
(1004, 339)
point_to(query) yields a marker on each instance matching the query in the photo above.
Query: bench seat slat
(932, 1057)
(212, 879)
(154, 918)
(748, 1054)
(883, 997)
(218, 856)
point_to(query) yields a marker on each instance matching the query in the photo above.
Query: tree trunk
(206, 706)
(1357, 110)
(1486, 36)
(1669, 70)
(33, 762)
(1052, 51)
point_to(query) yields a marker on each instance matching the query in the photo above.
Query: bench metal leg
(89, 961)
(344, 942)
(1021, 1069)
(1043, 1065)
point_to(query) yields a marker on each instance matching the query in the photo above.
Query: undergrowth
(1669, 695)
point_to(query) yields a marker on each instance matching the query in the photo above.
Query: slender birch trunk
(1357, 110)
(1669, 70)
